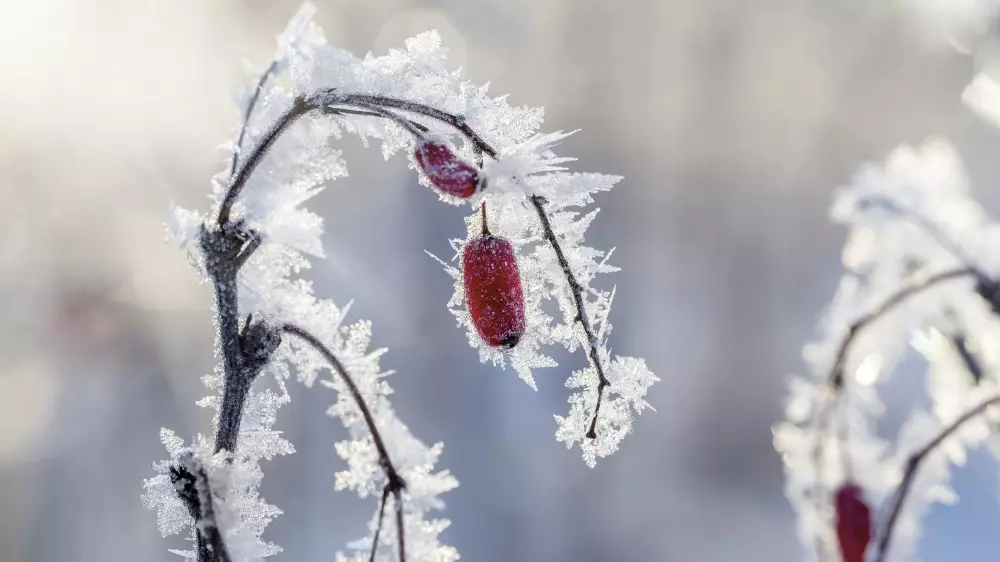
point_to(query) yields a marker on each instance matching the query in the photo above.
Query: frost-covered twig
(912, 465)
(191, 482)
(394, 482)
(574, 286)
(836, 377)
(246, 352)
(248, 112)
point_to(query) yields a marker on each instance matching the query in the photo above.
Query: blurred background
(732, 122)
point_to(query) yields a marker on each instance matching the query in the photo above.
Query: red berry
(445, 170)
(854, 522)
(493, 290)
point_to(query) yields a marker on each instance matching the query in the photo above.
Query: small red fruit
(493, 292)
(446, 170)
(854, 522)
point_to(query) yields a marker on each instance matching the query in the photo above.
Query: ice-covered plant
(256, 239)
(922, 271)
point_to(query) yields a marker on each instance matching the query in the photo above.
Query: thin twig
(394, 482)
(456, 121)
(378, 526)
(191, 481)
(300, 106)
(249, 112)
(581, 315)
(412, 127)
(912, 465)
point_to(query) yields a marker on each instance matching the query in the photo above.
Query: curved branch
(370, 103)
(912, 465)
(300, 106)
(248, 112)
(394, 482)
(836, 377)
(456, 121)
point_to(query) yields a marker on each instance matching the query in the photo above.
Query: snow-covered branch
(255, 240)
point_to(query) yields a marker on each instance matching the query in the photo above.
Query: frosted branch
(191, 482)
(836, 377)
(394, 482)
(248, 112)
(246, 352)
(912, 465)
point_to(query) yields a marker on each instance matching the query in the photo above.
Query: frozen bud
(445, 170)
(493, 292)
(854, 522)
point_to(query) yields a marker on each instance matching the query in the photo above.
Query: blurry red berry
(493, 292)
(854, 522)
(446, 170)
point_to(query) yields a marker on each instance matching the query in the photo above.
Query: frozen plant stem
(394, 482)
(912, 465)
(237, 148)
(191, 482)
(581, 315)
(331, 101)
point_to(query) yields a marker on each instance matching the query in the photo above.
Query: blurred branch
(836, 375)
(912, 465)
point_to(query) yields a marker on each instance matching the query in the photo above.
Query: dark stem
(912, 465)
(249, 112)
(378, 526)
(486, 228)
(408, 123)
(300, 106)
(836, 377)
(581, 315)
(191, 482)
(394, 482)
(244, 352)
(456, 121)
(400, 530)
(412, 127)
(972, 363)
